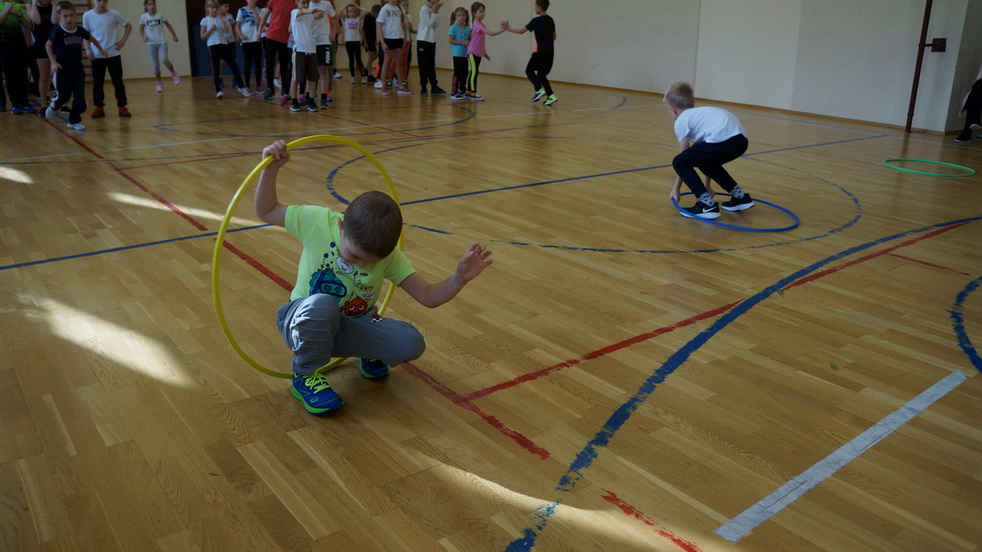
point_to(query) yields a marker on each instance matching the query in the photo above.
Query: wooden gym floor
(620, 379)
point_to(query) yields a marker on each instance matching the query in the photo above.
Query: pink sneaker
(283, 99)
(177, 79)
(384, 91)
(159, 88)
(404, 90)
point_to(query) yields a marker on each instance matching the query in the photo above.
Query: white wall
(842, 58)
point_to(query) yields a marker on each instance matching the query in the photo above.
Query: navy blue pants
(709, 158)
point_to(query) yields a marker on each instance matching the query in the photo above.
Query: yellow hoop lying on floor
(220, 242)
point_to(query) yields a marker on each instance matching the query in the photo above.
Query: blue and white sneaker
(315, 393)
(373, 368)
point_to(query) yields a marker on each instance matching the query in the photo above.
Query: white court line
(745, 522)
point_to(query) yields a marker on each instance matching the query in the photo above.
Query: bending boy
(344, 259)
(708, 138)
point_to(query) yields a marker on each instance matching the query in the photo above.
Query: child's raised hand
(277, 150)
(505, 24)
(475, 260)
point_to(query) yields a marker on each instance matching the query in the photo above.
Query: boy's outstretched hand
(277, 150)
(475, 260)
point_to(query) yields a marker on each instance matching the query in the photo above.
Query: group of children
(45, 39)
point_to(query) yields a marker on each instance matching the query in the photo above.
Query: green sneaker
(315, 393)
(372, 368)
(551, 100)
(538, 95)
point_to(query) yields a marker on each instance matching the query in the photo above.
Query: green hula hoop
(220, 241)
(968, 170)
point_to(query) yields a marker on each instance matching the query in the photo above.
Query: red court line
(886, 251)
(599, 352)
(174, 209)
(467, 404)
(638, 515)
(932, 265)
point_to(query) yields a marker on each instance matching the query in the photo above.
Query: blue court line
(584, 459)
(547, 246)
(958, 323)
(125, 248)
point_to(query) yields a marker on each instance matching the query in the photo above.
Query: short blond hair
(680, 96)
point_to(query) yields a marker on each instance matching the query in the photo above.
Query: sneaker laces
(317, 382)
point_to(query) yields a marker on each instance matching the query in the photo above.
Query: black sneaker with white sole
(738, 204)
(701, 210)
(964, 138)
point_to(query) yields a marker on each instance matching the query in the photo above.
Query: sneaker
(551, 100)
(311, 106)
(337, 75)
(244, 91)
(177, 79)
(98, 113)
(352, 81)
(701, 210)
(423, 93)
(283, 99)
(404, 90)
(159, 87)
(437, 91)
(538, 95)
(364, 80)
(295, 107)
(76, 126)
(378, 84)
(974, 126)
(276, 82)
(269, 95)
(16, 110)
(330, 97)
(741, 204)
(964, 137)
(315, 393)
(50, 112)
(456, 96)
(325, 103)
(372, 368)
(123, 112)
(219, 94)
(475, 97)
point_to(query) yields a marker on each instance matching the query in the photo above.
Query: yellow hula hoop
(220, 241)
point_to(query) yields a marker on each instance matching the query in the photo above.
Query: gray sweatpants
(315, 330)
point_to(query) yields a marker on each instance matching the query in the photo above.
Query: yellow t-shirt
(322, 269)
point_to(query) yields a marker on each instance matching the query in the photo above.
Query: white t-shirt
(428, 23)
(391, 19)
(302, 30)
(215, 38)
(153, 27)
(249, 24)
(707, 124)
(322, 26)
(104, 27)
(352, 29)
